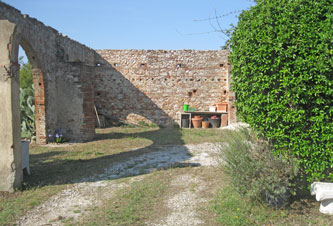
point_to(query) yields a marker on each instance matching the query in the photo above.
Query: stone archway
(39, 86)
(63, 72)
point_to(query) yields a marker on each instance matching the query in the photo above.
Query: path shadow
(164, 136)
(162, 154)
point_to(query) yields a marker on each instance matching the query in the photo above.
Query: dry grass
(56, 167)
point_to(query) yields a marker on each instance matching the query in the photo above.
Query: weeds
(255, 172)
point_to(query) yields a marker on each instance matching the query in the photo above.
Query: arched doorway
(39, 87)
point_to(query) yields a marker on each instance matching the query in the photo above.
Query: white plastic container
(212, 108)
(324, 194)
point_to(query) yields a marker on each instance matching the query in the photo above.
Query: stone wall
(62, 70)
(153, 85)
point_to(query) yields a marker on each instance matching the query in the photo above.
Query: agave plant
(27, 106)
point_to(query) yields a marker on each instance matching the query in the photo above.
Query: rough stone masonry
(70, 78)
(153, 85)
(62, 74)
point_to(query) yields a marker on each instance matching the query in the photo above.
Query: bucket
(215, 122)
(185, 107)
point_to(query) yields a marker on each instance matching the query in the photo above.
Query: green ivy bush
(281, 52)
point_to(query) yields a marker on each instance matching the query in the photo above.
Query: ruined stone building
(70, 79)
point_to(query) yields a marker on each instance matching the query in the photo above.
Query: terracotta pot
(197, 122)
(222, 107)
(197, 116)
(205, 124)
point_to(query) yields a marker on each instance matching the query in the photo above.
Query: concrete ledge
(324, 195)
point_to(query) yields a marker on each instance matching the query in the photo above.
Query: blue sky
(135, 24)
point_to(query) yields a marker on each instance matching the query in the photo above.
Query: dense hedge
(281, 52)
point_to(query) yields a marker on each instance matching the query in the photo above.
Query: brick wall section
(87, 90)
(153, 85)
(40, 106)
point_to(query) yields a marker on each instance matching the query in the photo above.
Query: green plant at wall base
(27, 106)
(58, 136)
(282, 75)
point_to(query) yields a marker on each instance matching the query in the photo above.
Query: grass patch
(163, 136)
(54, 167)
(16, 204)
(233, 209)
(145, 124)
(133, 205)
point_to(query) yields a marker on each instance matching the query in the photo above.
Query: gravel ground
(182, 204)
(75, 201)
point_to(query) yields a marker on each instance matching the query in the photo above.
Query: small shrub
(255, 172)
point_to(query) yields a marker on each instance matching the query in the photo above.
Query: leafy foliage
(27, 101)
(25, 74)
(282, 73)
(27, 106)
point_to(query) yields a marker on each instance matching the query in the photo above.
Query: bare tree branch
(218, 17)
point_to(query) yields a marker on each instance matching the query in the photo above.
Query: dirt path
(183, 202)
(76, 201)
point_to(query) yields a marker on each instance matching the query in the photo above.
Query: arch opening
(38, 82)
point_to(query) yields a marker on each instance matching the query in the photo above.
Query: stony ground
(181, 204)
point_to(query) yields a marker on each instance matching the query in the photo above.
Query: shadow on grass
(163, 136)
(66, 165)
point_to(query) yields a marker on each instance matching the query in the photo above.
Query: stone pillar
(87, 129)
(40, 106)
(11, 175)
(231, 98)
